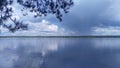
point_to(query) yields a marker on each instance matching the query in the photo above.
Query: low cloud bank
(110, 30)
(43, 28)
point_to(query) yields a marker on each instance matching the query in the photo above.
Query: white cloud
(43, 28)
(110, 30)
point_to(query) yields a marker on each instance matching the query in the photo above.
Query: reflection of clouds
(19, 51)
(7, 59)
(37, 44)
(83, 54)
(106, 43)
(46, 53)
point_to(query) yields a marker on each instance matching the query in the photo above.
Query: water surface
(59, 53)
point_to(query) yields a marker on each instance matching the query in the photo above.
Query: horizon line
(82, 36)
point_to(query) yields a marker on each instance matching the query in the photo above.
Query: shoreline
(59, 36)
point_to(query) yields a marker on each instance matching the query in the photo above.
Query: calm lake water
(60, 53)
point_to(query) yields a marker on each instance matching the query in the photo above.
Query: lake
(60, 53)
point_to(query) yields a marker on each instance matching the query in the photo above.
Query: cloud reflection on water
(59, 53)
(11, 50)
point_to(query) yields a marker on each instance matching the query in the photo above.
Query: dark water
(60, 53)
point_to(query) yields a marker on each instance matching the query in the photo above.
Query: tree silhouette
(38, 7)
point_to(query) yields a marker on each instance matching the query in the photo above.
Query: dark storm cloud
(86, 14)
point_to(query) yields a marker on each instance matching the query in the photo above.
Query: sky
(86, 17)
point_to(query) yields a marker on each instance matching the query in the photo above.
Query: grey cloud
(83, 16)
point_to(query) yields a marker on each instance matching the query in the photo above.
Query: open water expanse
(60, 53)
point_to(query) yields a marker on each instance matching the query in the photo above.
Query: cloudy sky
(86, 17)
